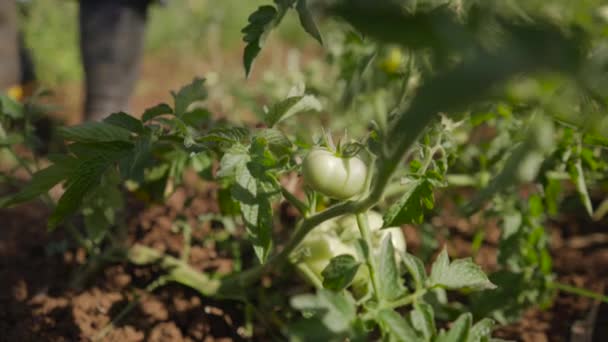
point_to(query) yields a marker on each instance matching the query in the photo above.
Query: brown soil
(38, 302)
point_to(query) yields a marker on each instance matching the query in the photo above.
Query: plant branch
(363, 224)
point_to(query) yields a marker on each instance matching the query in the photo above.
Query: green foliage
(461, 273)
(340, 272)
(413, 203)
(476, 96)
(265, 19)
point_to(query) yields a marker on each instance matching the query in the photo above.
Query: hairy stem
(363, 224)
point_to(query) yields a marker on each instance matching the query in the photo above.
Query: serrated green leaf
(482, 331)
(398, 327)
(189, 94)
(337, 310)
(81, 181)
(256, 209)
(254, 34)
(459, 331)
(125, 121)
(92, 132)
(291, 106)
(133, 165)
(340, 272)
(158, 110)
(41, 182)
(411, 206)
(197, 117)
(460, 273)
(277, 141)
(87, 173)
(234, 157)
(423, 320)
(415, 268)
(307, 21)
(390, 287)
(226, 135)
(104, 149)
(341, 310)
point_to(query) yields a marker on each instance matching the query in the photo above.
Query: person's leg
(111, 41)
(9, 46)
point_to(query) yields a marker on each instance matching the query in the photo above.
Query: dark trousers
(111, 43)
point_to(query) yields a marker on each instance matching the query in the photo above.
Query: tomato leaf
(460, 273)
(390, 286)
(423, 320)
(307, 21)
(85, 176)
(481, 331)
(337, 310)
(415, 268)
(41, 182)
(410, 208)
(90, 132)
(291, 106)
(278, 143)
(253, 192)
(189, 94)
(158, 110)
(225, 135)
(254, 34)
(459, 331)
(133, 165)
(399, 328)
(125, 121)
(340, 272)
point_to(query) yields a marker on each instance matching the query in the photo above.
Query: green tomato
(338, 236)
(323, 247)
(348, 230)
(333, 176)
(392, 62)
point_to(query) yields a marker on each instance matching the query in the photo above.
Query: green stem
(293, 200)
(363, 224)
(408, 299)
(579, 291)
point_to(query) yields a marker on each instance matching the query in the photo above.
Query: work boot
(111, 42)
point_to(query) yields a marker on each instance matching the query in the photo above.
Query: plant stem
(408, 299)
(579, 291)
(363, 224)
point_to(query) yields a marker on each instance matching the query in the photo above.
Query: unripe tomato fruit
(338, 236)
(333, 176)
(392, 62)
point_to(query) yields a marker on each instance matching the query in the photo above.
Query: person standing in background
(111, 45)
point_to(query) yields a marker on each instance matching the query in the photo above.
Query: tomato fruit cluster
(337, 237)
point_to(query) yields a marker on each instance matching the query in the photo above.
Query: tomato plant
(477, 102)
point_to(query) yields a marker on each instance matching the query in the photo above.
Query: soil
(39, 303)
